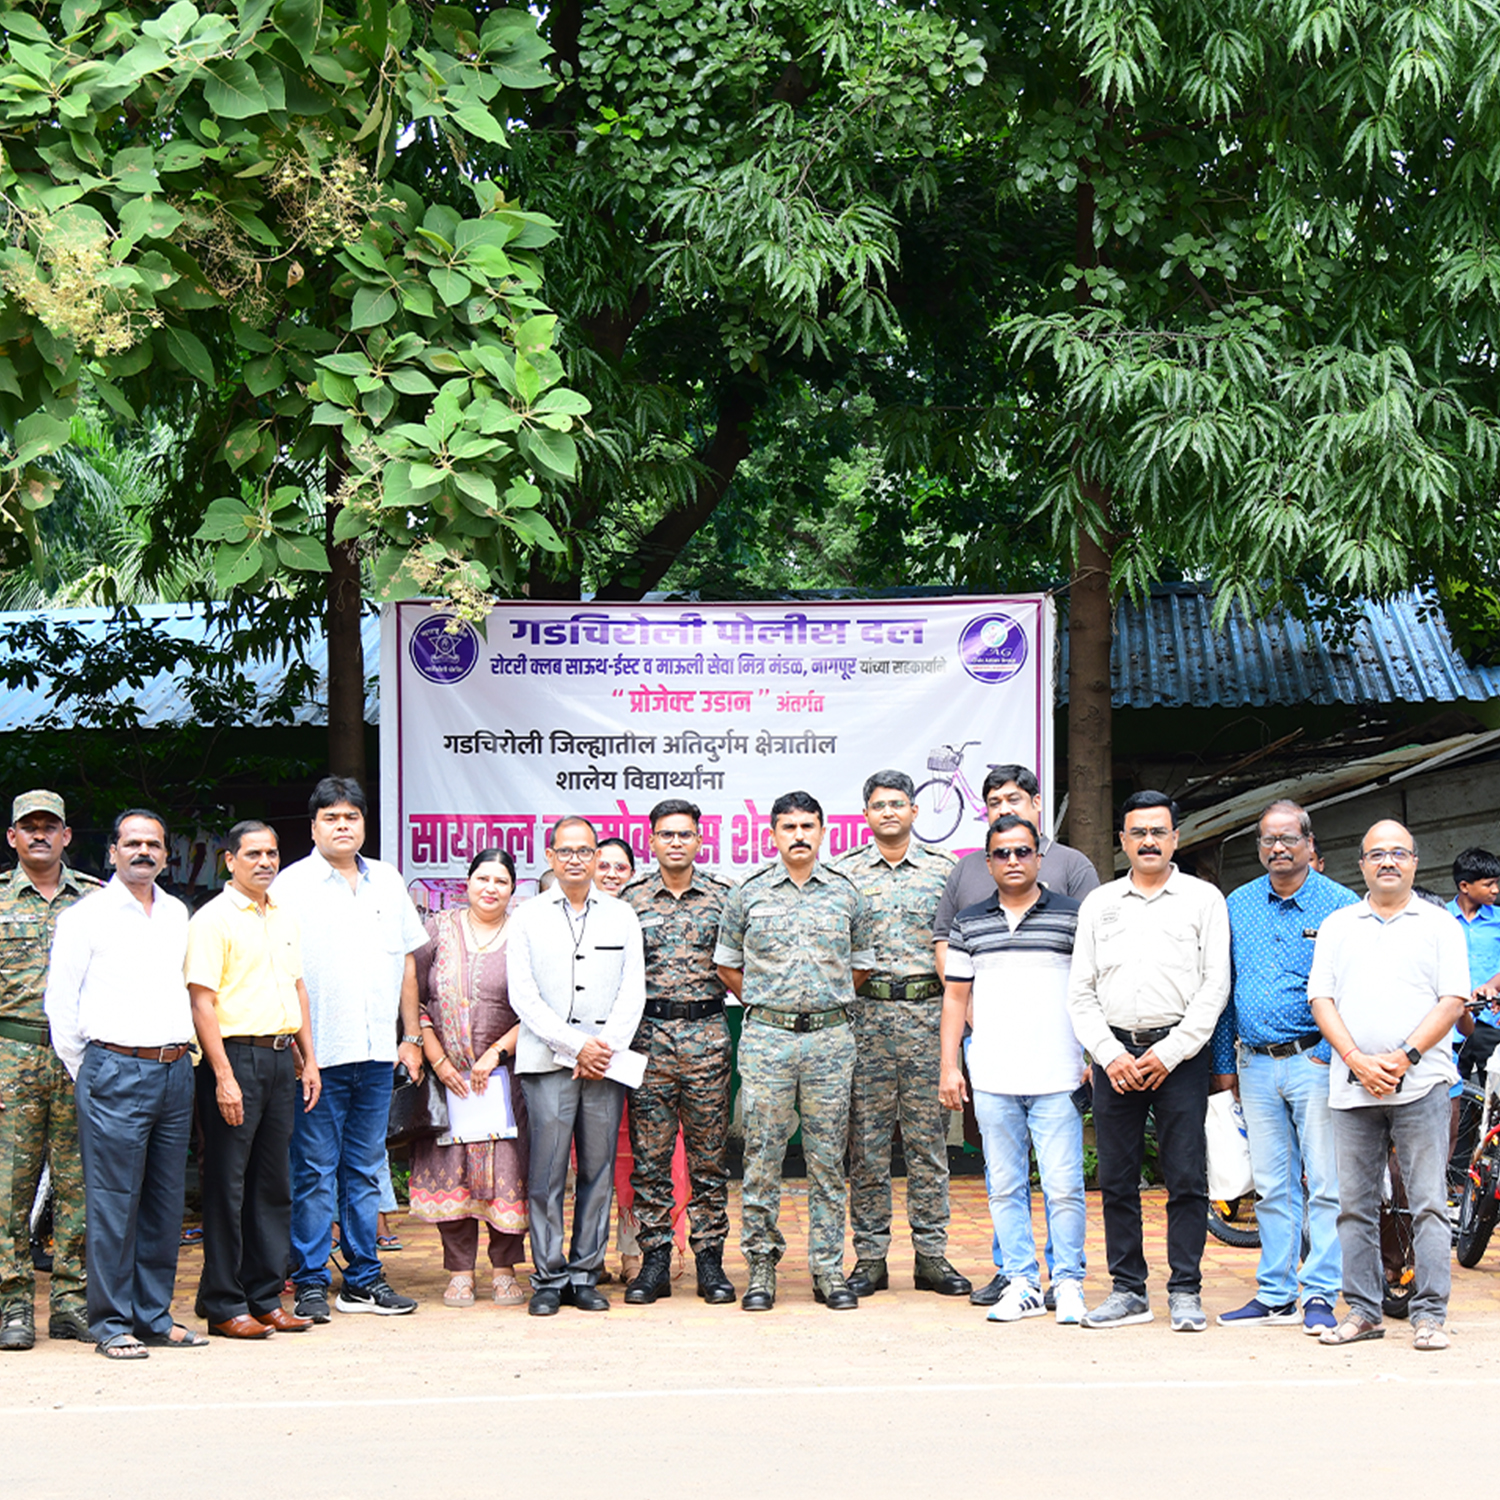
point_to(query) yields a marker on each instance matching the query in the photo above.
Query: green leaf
(373, 26)
(534, 528)
(242, 444)
(264, 374)
(232, 89)
(561, 399)
(237, 565)
(479, 122)
(412, 383)
(552, 450)
(299, 21)
(350, 523)
(174, 23)
(372, 306)
(147, 218)
(225, 520)
(378, 403)
(37, 434)
(303, 553)
(187, 350)
(452, 286)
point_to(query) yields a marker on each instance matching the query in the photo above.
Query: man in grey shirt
(578, 983)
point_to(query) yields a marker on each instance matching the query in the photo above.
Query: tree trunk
(346, 656)
(1090, 732)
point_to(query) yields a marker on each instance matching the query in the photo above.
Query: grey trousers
(1363, 1138)
(564, 1110)
(134, 1119)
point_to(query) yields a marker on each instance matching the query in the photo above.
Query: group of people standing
(885, 987)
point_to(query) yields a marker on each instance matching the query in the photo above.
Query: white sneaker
(1019, 1300)
(1068, 1296)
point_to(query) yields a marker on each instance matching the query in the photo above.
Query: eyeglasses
(896, 804)
(1017, 852)
(1137, 834)
(1394, 856)
(675, 835)
(575, 856)
(1290, 840)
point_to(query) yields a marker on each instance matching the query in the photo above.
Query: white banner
(605, 710)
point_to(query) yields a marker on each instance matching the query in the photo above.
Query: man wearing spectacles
(896, 1030)
(1389, 978)
(689, 1053)
(1150, 976)
(578, 984)
(1282, 1077)
(1009, 957)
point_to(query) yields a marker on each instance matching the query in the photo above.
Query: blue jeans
(1288, 1125)
(1010, 1124)
(338, 1153)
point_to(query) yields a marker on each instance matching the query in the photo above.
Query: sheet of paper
(624, 1067)
(489, 1116)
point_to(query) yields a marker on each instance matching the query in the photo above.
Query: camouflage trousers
(896, 1076)
(686, 1082)
(783, 1073)
(38, 1124)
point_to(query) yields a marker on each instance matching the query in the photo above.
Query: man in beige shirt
(1150, 975)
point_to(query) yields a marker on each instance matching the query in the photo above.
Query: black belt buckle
(803, 1022)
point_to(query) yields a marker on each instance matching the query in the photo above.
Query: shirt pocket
(22, 940)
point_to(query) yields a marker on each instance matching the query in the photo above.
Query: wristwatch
(411, 1041)
(1413, 1056)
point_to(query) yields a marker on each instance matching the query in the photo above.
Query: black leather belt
(278, 1041)
(682, 1010)
(1303, 1043)
(911, 987)
(804, 1020)
(1143, 1038)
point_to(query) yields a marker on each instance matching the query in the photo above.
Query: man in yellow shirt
(244, 974)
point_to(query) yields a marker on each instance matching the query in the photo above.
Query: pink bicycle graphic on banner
(941, 801)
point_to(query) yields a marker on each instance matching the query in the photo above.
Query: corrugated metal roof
(160, 697)
(1167, 655)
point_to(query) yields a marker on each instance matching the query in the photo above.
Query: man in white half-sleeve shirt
(121, 1020)
(1389, 978)
(577, 971)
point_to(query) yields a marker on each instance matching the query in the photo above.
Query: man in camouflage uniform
(794, 944)
(38, 1122)
(686, 1041)
(896, 1028)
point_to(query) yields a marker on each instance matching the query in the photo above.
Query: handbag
(1229, 1172)
(419, 1111)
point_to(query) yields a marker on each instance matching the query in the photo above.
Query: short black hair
(997, 776)
(241, 830)
(620, 844)
(674, 807)
(1137, 800)
(137, 812)
(795, 802)
(564, 822)
(1004, 823)
(332, 790)
(897, 781)
(1475, 864)
(494, 857)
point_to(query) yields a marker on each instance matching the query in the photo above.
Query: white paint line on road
(371, 1403)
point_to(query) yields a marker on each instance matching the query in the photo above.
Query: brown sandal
(1353, 1330)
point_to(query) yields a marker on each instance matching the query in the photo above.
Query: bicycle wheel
(1476, 1214)
(938, 816)
(1233, 1222)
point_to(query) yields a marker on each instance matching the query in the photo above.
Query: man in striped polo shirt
(1010, 957)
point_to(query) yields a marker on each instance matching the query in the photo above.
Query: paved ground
(911, 1395)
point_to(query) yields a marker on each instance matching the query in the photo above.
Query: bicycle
(950, 790)
(1480, 1205)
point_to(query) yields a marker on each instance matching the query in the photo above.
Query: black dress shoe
(869, 1277)
(545, 1303)
(990, 1293)
(585, 1298)
(934, 1274)
(835, 1294)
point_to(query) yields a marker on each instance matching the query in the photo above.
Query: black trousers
(1179, 1105)
(247, 1189)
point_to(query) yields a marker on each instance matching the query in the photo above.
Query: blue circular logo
(444, 649)
(992, 648)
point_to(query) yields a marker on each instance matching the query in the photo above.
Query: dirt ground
(912, 1394)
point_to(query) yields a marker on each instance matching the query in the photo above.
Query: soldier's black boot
(934, 1274)
(760, 1295)
(713, 1284)
(654, 1279)
(68, 1320)
(17, 1326)
(834, 1292)
(869, 1277)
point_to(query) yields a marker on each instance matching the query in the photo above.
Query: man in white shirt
(1150, 975)
(1389, 979)
(578, 983)
(359, 931)
(121, 1020)
(1011, 955)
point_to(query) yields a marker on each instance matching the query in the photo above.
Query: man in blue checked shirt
(1283, 1075)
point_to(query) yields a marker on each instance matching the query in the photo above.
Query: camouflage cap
(38, 802)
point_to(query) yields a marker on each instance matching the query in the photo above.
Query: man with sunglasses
(896, 1032)
(1150, 976)
(1389, 978)
(1009, 957)
(1282, 1077)
(578, 984)
(689, 1055)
